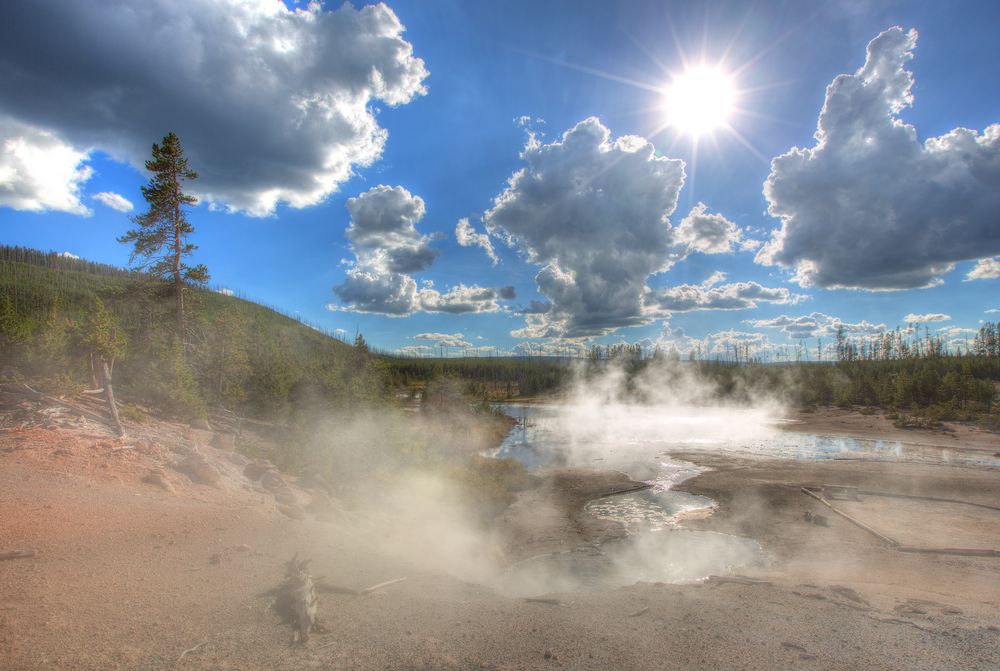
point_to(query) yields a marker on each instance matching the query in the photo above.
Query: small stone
(224, 441)
(199, 469)
(293, 512)
(215, 559)
(243, 548)
(256, 468)
(157, 477)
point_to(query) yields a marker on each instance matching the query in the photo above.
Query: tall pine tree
(160, 238)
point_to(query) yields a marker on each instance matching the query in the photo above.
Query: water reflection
(557, 435)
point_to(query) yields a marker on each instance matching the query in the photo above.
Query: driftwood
(17, 554)
(550, 602)
(190, 650)
(850, 519)
(961, 552)
(110, 395)
(641, 611)
(24, 390)
(369, 590)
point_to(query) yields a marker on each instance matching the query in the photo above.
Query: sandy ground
(124, 578)
(847, 422)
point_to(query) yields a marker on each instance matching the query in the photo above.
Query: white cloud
(592, 212)
(566, 348)
(38, 171)
(416, 350)
(224, 291)
(383, 230)
(710, 296)
(913, 318)
(956, 331)
(722, 342)
(388, 247)
(869, 205)
(467, 236)
(985, 269)
(816, 325)
(67, 255)
(707, 233)
(274, 105)
(992, 311)
(114, 201)
(444, 339)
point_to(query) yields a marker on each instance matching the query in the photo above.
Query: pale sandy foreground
(124, 578)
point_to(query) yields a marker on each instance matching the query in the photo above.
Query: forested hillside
(58, 314)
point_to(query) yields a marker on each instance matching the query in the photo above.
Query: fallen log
(110, 394)
(17, 554)
(24, 390)
(961, 552)
(369, 590)
(856, 522)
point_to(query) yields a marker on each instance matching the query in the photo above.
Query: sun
(699, 100)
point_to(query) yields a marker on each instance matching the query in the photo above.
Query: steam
(401, 473)
(625, 420)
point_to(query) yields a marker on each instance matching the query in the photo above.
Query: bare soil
(877, 426)
(129, 575)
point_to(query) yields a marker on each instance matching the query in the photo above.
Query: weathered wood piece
(110, 395)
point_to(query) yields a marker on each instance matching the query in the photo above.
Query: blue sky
(281, 114)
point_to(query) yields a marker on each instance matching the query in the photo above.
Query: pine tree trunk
(178, 284)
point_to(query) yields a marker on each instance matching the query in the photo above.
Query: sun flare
(699, 100)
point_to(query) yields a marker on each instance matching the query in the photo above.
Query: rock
(316, 481)
(215, 559)
(256, 468)
(325, 507)
(276, 485)
(238, 459)
(201, 423)
(294, 512)
(199, 469)
(156, 476)
(242, 548)
(224, 441)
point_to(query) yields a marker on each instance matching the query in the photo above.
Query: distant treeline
(484, 377)
(58, 314)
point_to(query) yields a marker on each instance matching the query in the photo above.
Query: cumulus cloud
(707, 233)
(444, 339)
(711, 295)
(566, 348)
(383, 230)
(387, 247)
(225, 292)
(274, 105)
(816, 325)
(722, 342)
(38, 171)
(592, 212)
(67, 255)
(467, 236)
(914, 318)
(869, 205)
(114, 200)
(986, 269)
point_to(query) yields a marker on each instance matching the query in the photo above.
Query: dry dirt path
(123, 580)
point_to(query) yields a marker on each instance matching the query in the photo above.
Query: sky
(531, 177)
